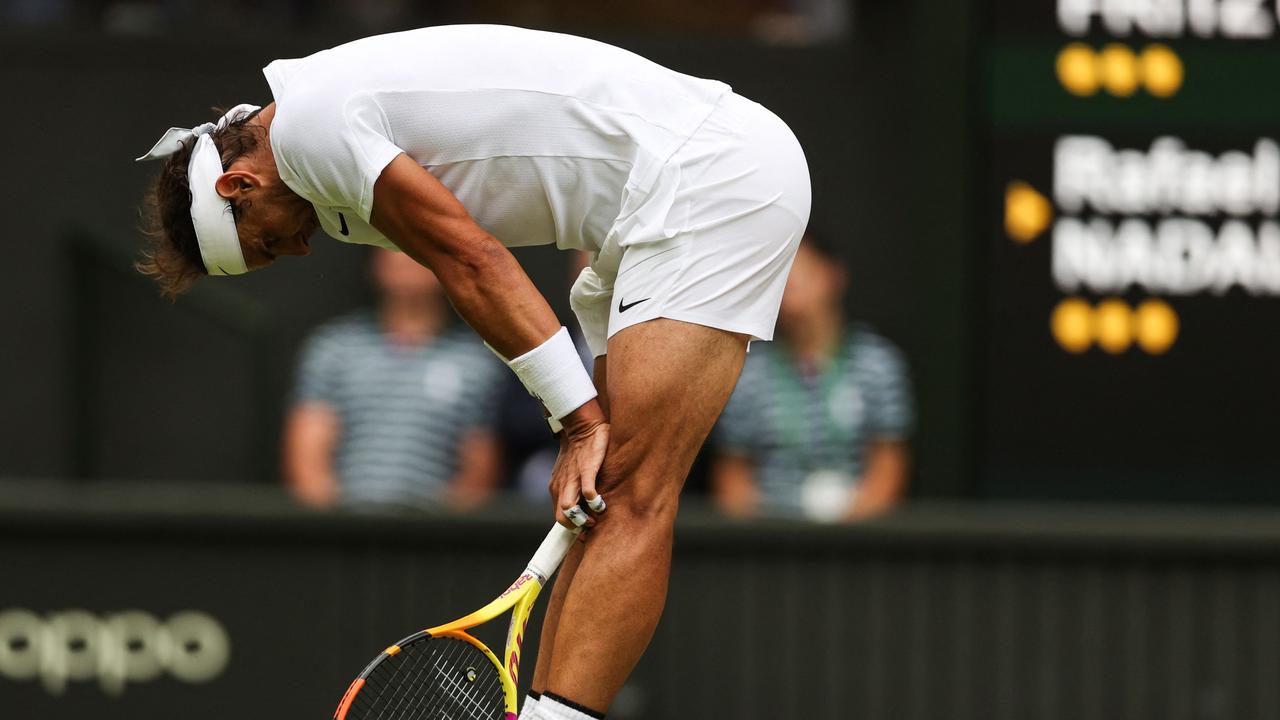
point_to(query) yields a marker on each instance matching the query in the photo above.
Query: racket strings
(433, 679)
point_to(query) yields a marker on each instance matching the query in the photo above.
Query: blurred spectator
(819, 422)
(528, 447)
(35, 13)
(785, 22)
(391, 407)
(803, 22)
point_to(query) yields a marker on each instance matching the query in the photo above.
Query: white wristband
(553, 373)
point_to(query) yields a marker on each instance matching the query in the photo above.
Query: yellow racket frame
(519, 599)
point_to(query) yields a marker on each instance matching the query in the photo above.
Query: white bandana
(210, 212)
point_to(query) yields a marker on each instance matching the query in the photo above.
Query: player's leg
(738, 207)
(547, 639)
(667, 383)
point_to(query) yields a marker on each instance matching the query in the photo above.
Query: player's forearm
(484, 282)
(496, 298)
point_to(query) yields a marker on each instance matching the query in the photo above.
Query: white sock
(530, 708)
(554, 707)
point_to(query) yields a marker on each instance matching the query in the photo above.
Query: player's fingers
(591, 468)
(576, 515)
(568, 502)
(595, 500)
(560, 518)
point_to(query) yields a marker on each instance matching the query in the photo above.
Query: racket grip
(552, 550)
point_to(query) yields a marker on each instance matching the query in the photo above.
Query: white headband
(211, 214)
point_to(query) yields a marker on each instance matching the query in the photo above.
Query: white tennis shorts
(712, 242)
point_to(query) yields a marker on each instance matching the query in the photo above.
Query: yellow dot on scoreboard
(1113, 323)
(1077, 68)
(1119, 68)
(1162, 70)
(1156, 325)
(1072, 325)
(1026, 212)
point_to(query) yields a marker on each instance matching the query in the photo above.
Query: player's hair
(172, 255)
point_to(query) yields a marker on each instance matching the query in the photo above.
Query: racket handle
(552, 550)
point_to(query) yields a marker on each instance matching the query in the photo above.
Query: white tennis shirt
(544, 137)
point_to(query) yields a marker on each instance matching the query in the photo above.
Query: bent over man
(450, 142)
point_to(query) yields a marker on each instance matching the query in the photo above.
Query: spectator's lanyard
(798, 396)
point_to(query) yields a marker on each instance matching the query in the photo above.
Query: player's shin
(555, 604)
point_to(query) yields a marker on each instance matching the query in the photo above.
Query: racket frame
(519, 598)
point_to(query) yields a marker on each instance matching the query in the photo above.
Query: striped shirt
(403, 409)
(792, 422)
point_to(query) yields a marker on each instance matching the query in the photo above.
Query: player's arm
(493, 295)
(884, 482)
(310, 435)
(484, 282)
(733, 485)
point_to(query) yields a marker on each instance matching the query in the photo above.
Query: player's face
(275, 224)
(271, 219)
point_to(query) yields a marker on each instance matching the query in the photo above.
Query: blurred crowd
(791, 22)
(399, 405)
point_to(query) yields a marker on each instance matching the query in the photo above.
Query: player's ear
(236, 184)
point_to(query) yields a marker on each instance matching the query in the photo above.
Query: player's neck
(411, 320)
(815, 337)
(263, 156)
(266, 115)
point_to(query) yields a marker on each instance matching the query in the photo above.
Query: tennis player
(449, 143)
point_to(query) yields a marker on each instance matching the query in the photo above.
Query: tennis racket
(443, 673)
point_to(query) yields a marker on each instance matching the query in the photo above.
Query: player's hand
(582, 449)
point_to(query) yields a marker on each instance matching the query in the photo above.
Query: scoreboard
(1129, 282)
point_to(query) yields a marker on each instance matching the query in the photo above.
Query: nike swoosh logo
(623, 307)
(343, 229)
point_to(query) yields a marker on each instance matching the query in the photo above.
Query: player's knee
(630, 461)
(653, 510)
(641, 493)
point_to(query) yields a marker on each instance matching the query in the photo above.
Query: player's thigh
(667, 382)
(600, 377)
